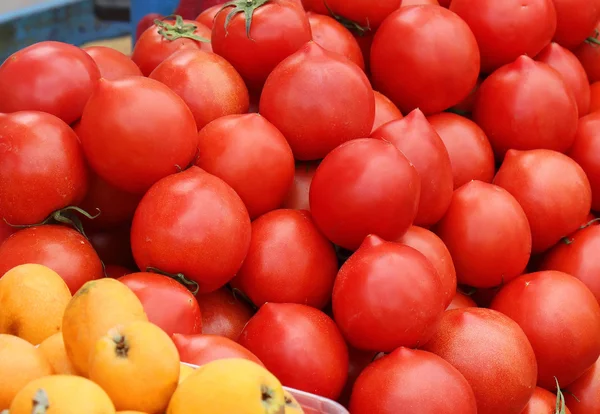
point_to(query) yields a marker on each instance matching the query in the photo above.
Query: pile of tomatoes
(387, 203)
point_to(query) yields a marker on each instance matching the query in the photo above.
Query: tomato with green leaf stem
(112, 63)
(543, 401)
(588, 54)
(224, 313)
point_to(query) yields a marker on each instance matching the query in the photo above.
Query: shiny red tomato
(289, 261)
(473, 338)
(201, 349)
(207, 83)
(595, 97)
(358, 361)
(584, 151)
(367, 14)
(297, 197)
(312, 128)
(575, 20)
(544, 402)
(542, 304)
(552, 189)
(60, 248)
(507, 29)
(582, 396)
(312, 359)
(42, 168)
(116, 271)
(460, 301)
(415, 379)
(126, 144)
(113, 246)
(387, 295)
(223, 313)
(385, 111)
(207, 17)
(588, 54)
(470, 151)
(51, 77)
(423, 147)
(252, 156)
(113, 64)
(204, 230)
(365, 186)
(431, 78)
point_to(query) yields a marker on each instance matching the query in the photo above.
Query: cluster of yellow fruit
(98, 354)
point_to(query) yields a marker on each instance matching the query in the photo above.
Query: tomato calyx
(191, 285)
(67, 215)
(40, 402)
(242, 6)
(593, 40)
(561, 407)
(238, 294)
(568, 240)
(178, 30)
(349, 24)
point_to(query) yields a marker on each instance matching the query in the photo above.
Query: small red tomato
(470, 151)
(595, 97)
(116, 271)
(168, 304)
(113, 64)
(543, 401)
(385, 111)
(113, 246)
(298, 196)
(289, 261)
(584, 151)
(575, 20)
(460, 301)
(207, 17)
(223, 313)
(60, 248)
(51, 77)
(201, 349)
(365, 186)
(312, 359)
(423, 147)
(552, 189)
(366, 14)
(387, 295)
(472, 338)
(252, 156)
(582, 396)
(415, 379)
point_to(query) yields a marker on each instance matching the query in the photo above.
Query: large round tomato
(575, 20)
(201, 349)
(564, 337)
(289, 261)
(42, 168)
(552, 189)
(297, 197)
(385, 111)
(60, 248)
(585, 150)
(128, 144)
(424, 57)
(113, 246)
(415, 379)
(366, 13)
(582, 396)
(460, 301)
(345, 109)
(223, 313)
(507, 29)
(588, 54)
(207, 83)
(51, 77)
(168, 304)
(113, 64)
(365, 186)
(543, 402)
(256, 41)
(192, 223)
(492, 353)
(471, 154)
(252, 156)
(387, 295)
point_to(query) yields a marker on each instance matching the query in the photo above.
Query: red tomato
(333, 36)
(424, 57)
(473, 338)
(297, 197)
(60, 248)
(585, 152)
(544, 402)
(159, 42)
(312, 359)
(358, 361)
(168, 304)
(113, 64)
(116, 271)
(204, 230)
(434, 249)
(289, 261)
(512, 100)
(387, 295)
(51, 77)
(311, 127)
(415, 379)
(201, 349)
(365, 186)
(113, 246)
(595, 97)
(366, 14)
(207, 17)
(145, 23)
(507, 29)
(207, 83)
(460, 301)
(42, 168)
(552, 189)
(582, 396)
(126, 144)
(417, 139)
(470, 151)
(575, 20)
(223, 313)
(542, 304)
(317, 6)
(385, 111)
(252, 156)
(566, 63)
(487, 234)
(255, 45)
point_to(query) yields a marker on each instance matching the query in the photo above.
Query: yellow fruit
(184, 372)
(291, 405)
(138, 367)
(97, 307)
(20, 363)
(53, 348)
(62, 394)
(229, 386)
(33, 299)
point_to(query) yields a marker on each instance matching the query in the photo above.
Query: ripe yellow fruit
(33, 299)
(53, 348)
(291, 405)
(96, 308)
(184, 372)
(229, 386)
(138, 367)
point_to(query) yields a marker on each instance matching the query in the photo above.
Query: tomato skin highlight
(201, 349)
(112, 64)
(584, 152)
(223, 314)
(582, 396)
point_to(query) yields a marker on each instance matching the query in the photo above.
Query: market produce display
(318, 207)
